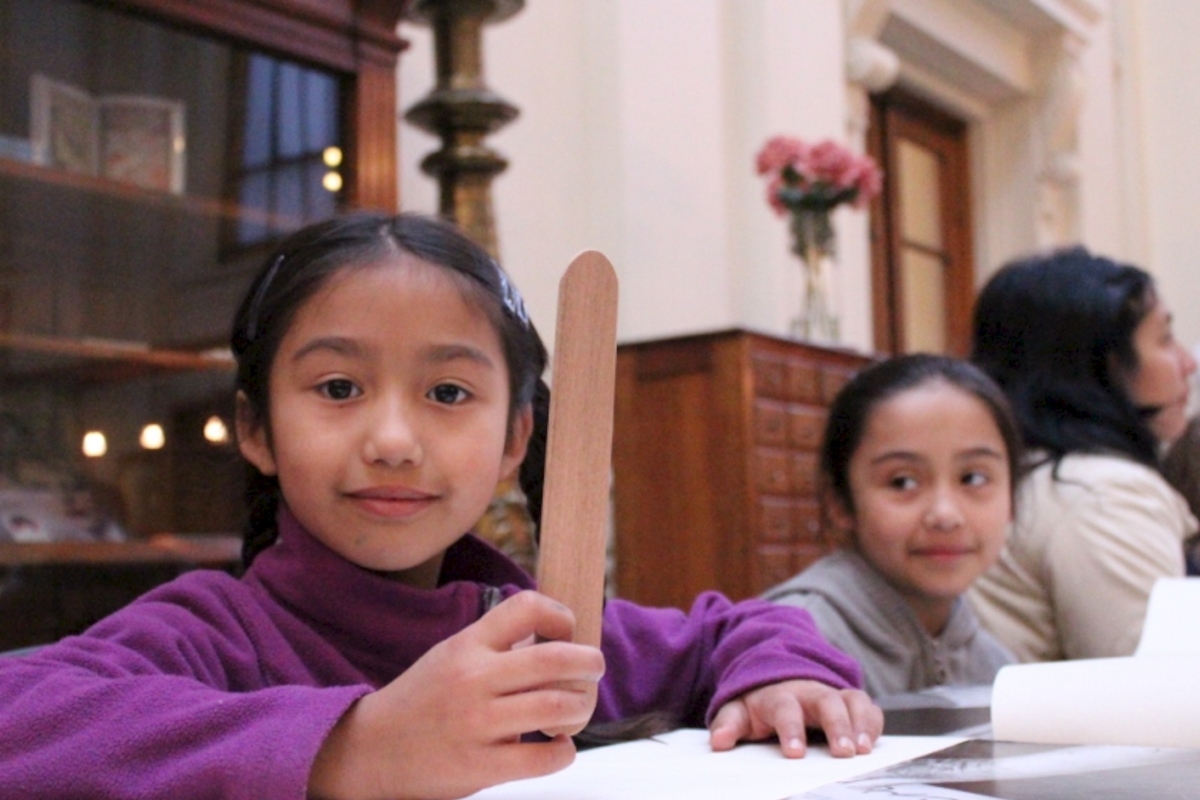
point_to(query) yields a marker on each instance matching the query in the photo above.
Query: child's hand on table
(850, 720)
(451, 724)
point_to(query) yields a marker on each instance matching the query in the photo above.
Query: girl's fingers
(526, 760)
(521, 616)
(866, 719)
(558, 710)
(544, 665)
(833, 716)
(729, 726)
(786, 717)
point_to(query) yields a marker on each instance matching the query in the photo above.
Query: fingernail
(844, 744)
(795, 744)
(864, 743)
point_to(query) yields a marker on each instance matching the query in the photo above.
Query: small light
(332, 181)
(332, 156)
(152, 437)
(215, 430)
(94, 444)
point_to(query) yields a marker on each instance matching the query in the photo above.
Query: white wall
(640, 120)
(638, 129)
(1164, 34)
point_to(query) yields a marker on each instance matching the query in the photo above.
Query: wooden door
(922, 271)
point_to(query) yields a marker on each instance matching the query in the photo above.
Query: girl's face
(1161, 377)
(932, 495)
(389, 417)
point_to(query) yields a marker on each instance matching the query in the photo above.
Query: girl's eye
(339, 389)
(975, 479)
(448, 394)
(902, 482)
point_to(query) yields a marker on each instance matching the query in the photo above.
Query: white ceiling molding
(1011, 68)
(1076, 16)
(964, 44)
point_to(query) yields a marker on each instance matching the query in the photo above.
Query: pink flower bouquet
(816, 177)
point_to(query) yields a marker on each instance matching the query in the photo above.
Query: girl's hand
(451, 724)
(850, 720)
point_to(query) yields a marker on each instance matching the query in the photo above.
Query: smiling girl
(918, 466)
(374, 648)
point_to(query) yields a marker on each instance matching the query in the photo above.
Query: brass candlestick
(462, 110)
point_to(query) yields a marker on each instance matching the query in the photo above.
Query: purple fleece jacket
(217, 687)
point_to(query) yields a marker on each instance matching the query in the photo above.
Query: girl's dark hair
(1056, 332)
(852, 408)
(306, 260)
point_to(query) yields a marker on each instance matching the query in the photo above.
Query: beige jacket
(1085, 552)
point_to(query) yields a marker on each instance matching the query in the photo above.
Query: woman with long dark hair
(1083, 348)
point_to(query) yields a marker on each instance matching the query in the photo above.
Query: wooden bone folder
(579, 444)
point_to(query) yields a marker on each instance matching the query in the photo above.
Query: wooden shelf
(93, 360)
(207, 550)
(107, 189)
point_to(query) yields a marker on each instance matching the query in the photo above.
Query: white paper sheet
(1172, 619)
(1148, 699)
(682, 765)
(1140, 700)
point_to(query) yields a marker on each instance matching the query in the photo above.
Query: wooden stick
(579, 444)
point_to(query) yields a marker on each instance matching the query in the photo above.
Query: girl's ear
(518, 442)
(252, 437)
(840, 517)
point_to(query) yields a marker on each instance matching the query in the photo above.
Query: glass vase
(814, 243)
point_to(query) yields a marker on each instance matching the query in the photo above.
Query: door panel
(923, 277)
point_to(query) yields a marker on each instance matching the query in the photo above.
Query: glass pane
(289, 125)
(920, 198)
(255, 192)
(288, 191)
(321, 115)
(923, 299)
(129, 228)
(322, 201)
(260, 110)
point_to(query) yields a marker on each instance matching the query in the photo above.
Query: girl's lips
(942, 553)
(393, 504)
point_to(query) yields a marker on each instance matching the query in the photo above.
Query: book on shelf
(133, 139)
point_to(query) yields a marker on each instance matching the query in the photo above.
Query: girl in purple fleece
(388, 378)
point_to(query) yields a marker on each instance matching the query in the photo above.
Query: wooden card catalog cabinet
(715, 462)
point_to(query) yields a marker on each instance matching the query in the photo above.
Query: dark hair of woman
(1056, 331)
(851, 411)
(305, 262)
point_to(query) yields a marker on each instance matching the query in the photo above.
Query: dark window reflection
(288, 167)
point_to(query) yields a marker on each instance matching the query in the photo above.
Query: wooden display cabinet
(151, 154)
(715, 462)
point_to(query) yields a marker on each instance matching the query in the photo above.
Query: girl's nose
(943, 514)
(1189, 361)
(391, 437)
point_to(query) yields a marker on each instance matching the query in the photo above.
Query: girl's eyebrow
(440, 354)
(981, 451)
(896, 455)
(910, 455)
(338, 344)
(434, 354)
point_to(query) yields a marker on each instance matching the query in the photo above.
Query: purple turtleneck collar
(374, 621)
